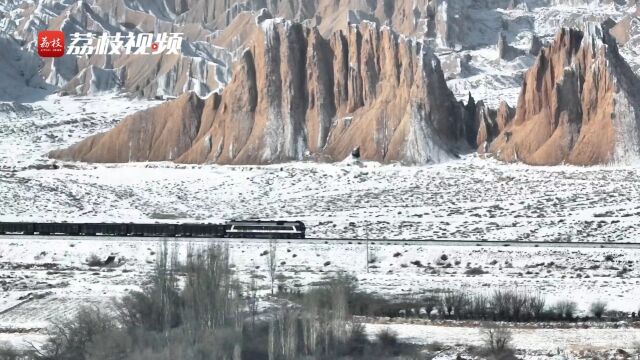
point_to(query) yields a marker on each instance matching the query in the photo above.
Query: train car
(200, 230)
(56, 228)
(16, 228)
(152, 229)
(265, 229)
(103, 229)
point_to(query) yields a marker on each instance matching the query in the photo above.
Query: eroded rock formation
(491, 123)
(296, 94)
(161, 133)
(579, 104)
(506, 51)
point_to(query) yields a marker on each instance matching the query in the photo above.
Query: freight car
(16, 228)
(56, 228)
(202, 230)
(104, 229)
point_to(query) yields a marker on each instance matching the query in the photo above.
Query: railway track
(351, 241)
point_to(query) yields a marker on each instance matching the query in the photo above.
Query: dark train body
(266, 229)
(239, 229)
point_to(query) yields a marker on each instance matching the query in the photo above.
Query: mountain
(579, 104)
(290, 80)
(296, 94)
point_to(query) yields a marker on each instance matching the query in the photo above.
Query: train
(231, 229)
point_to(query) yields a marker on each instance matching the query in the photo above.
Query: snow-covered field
(53, 273)
(545, 343)
(472, 199)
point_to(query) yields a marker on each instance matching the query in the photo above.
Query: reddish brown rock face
(297, 95)
(578, 105)
(491, 123)
(157, 134)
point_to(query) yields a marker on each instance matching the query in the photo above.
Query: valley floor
(43, 279)
(47, 278)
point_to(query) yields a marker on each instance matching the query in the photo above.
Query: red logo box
(50, 43)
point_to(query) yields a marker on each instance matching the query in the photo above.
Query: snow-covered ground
(29, 130)
(54, 273)
(493, 80)
(472, 198)
(542, 342)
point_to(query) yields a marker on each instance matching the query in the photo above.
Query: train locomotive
(231, 229)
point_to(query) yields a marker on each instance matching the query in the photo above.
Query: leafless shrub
(496, 337)
(480, 306)
(71, 338)
(456, 302)
(94, 260)
(111, 344)
(536, 305)
(462, 304)
(8, 352)
(358, 341)
(387, 340)
(448, 299)
(430, 303)
(211, 294)
(500, 304)
(516, 305)
(283, 335)
(158, 306)
(566, 309)
(518, 300)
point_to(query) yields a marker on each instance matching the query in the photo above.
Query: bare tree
(272, 261)
(253, 300)
(517, 300)
(283, 334)
(480, 306)
(536, 305)
(430, 303)
(598, 308)
(500, 304)
(448, 302)
(566, 309)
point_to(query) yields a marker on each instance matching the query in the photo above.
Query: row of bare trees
(503, 304)
(194, 308)
(320, 326)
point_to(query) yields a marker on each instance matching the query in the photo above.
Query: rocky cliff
(157, 134)
(295, 94)
(579, 104)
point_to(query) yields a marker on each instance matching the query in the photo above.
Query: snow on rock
(587, 113)
(289, 94)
